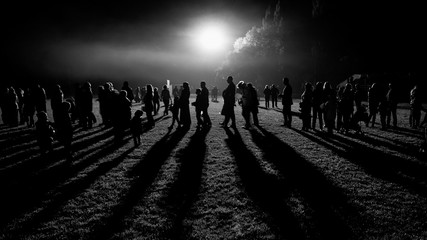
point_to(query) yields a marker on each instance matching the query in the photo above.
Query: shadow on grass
(144, 173)
(407, 132)
(184, 191)
(76, 187)
(379, 164)
(266, 190)
(332, 217)
(30, 188)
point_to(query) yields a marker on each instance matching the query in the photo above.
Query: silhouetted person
(214, 94)
(137, 95)
(274, 91)
(29, 108)
(340, 107)
(20, 94)
(166, 98)
(197, 104)
(124, 114)
(416, 106)
(329, 107)
(392, 100)
(148, 105)
(229, 95)
(64, 128)
(156, 100)
(287, 103)
(3, 104)
(45, 133)
(305, 106)
(267, 94)
(383, 108)
(204, 104)
(317, 101)
(184, 101)
(175, 92)
(129, 91)
(136, 127)
(358, 95)
(373, 102)
(87, 116)
(102, 103)
(175, 112)
(423, 124)
(347, 106)
(12, 107)
(56, 99)
(40, 98)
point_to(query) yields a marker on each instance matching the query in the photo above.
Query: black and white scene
(213, 119)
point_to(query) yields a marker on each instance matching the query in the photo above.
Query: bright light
(211, 39)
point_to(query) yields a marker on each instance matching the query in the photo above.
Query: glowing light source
(211, 39)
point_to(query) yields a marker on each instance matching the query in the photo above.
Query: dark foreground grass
(268, 182)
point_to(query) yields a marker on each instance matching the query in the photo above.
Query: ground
(269, 182)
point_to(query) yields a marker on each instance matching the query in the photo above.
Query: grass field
(269, 182)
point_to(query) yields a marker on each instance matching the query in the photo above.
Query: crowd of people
(321, 105)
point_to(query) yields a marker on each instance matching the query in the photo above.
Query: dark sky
(119, 39)
(152, 39)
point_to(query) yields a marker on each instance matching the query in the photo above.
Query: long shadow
(332, 215)
(184, 191)
(379, 164)
(144, 173)
(407, 132)
(266, 190)
(29, 190)
(28, 163)
(408, 149)
(74, 188)
(21, 129)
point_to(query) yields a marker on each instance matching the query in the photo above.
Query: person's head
(390, 85)
(202, 84)
(42, 116)
(308, 86)
(125, 84)
(285, 81)
(241, 84)
(165, 87)
(185, 85)
(66, 106)
(266, 87)
(249, 85)
(198, 91)
(138, 113)
(149, 88)
(229, 79)
(123, 93)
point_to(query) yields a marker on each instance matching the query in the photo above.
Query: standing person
(20, 93)
(45, 132)
(29, 108)
(373, 102)
(274, 94)
(317, 101)
(392, 106)
(56, 100)
(347, 106)
(148, 105)
(156, 100)
(329, 107)
(305, 105)
(136, 127)
(229, 95)
(86, 108)
(214, 94)
(204, 104)
(129, 91)
(267, 94)
(137, 94)
(166, 98)
(252, 102)
(416, 106)
(358, 96)
(197, 105)
(184, 104)
(64, 128)
(287, 103)
(12, 107)
(40, 98)
(175, 112)
(175, 92)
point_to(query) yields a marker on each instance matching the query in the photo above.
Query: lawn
(269, 182)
